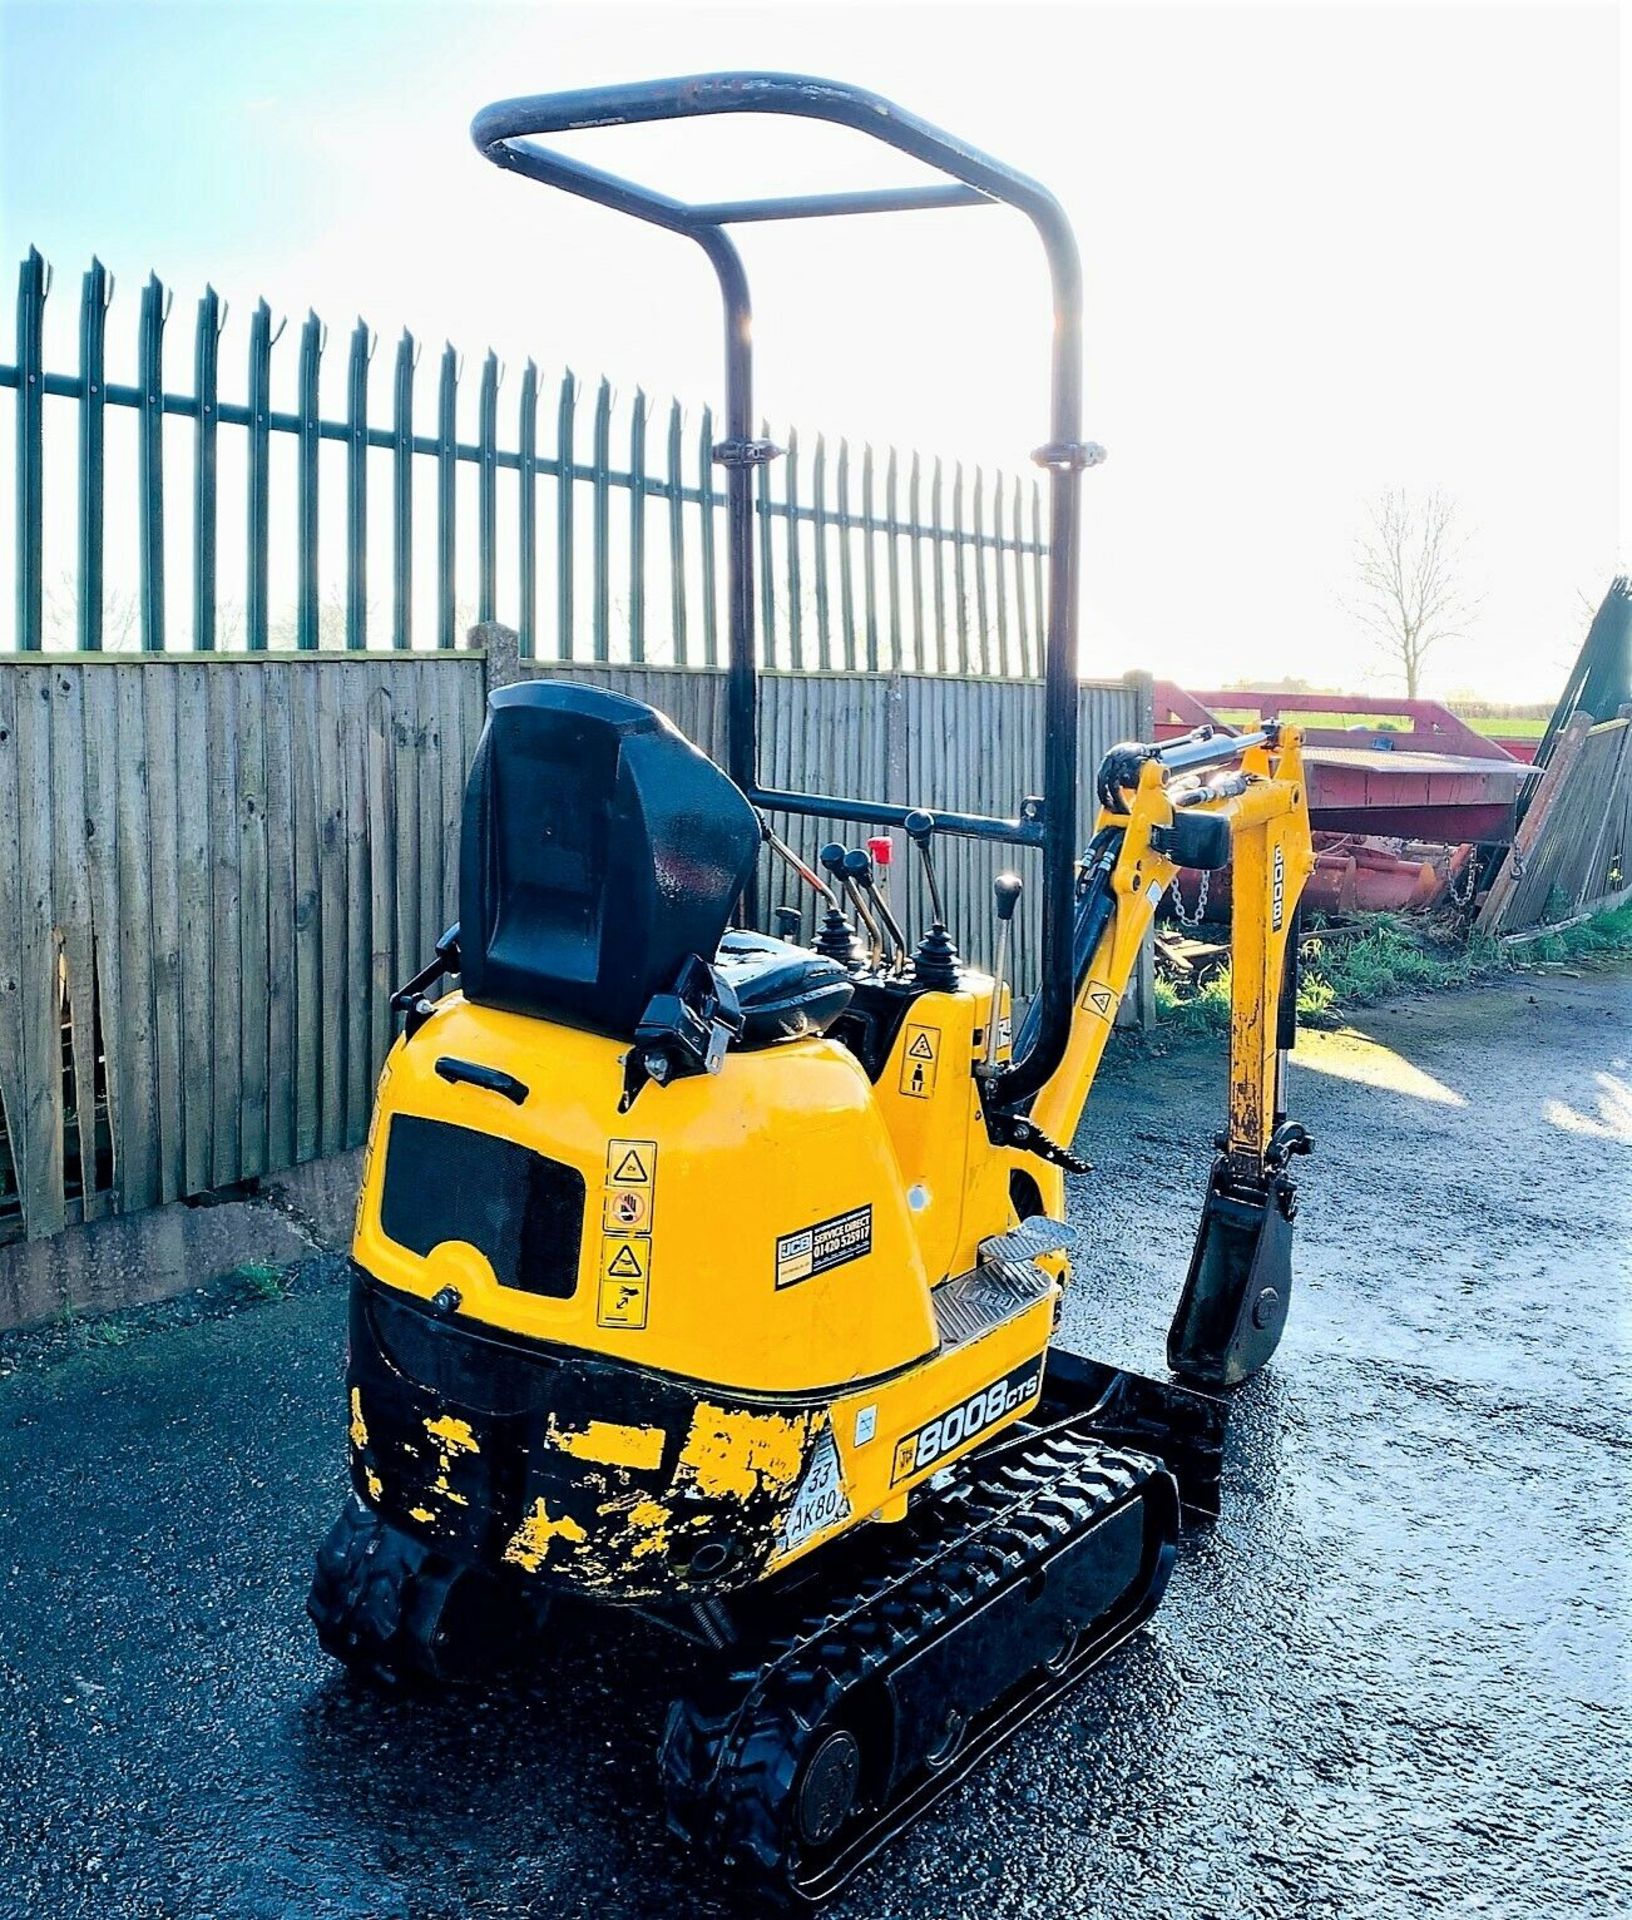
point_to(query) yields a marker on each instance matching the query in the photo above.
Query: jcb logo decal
(915, 1451)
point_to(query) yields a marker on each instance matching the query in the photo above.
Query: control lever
(858, 870)
(1006, 891)
(920, 831)
(834, 858)
(784, 852)
(935, 964)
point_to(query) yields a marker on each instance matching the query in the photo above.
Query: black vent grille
(523, 1211)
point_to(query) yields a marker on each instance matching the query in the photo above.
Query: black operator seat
(599, 850)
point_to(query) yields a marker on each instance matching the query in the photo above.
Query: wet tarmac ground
(1391, 1682)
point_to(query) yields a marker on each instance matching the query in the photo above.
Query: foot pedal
(1030, 1240)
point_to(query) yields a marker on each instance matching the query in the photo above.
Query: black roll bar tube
(507, 133)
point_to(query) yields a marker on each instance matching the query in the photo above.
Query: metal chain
(1184, 918)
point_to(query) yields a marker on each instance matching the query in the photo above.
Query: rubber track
(379, 1601)
(730, 1758)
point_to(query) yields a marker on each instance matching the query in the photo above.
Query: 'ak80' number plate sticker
(915, 1451)
(820, 1501)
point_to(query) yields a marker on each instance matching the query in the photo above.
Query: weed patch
(1391, 956)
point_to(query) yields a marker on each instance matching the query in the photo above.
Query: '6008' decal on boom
(915, 1451)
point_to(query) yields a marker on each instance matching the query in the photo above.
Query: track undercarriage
(826, 1711)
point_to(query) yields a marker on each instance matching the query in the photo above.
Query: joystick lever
(858, 870)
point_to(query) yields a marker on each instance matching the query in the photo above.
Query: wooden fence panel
(214, 873)
(1574, 847)
(200, 867)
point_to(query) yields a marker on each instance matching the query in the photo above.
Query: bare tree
(1408, 562)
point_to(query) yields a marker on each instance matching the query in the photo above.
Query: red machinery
(1398, 799)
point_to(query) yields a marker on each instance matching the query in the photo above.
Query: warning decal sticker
(631, 1163)
(627, 1201)
(919, 1060)
(820, 1501)
(626, 1268)
(1102, 1000)
(828, 1244)
(627, 1210)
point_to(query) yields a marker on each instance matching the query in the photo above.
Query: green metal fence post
(312, 335)
(1005, 665)
(33, 283)
(818, 523)
(637, 529)
(212, 316)
(767, 570)
(447, 472)
(915, 561)
(937, 560)
(360, 353)
(402, 493)
(705, 488)
(847, 595)
(982, 630)
(796, 612)
(150, 459)
(869, 567)
(1038, 585)
(677, 535)
(960, 584)
(601, 460)
(527, 511)
(261, 342)
(892, 561)
(487, 489)
(566, 480)
(95, 293)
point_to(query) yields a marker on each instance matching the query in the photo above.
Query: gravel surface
(1392, 1681)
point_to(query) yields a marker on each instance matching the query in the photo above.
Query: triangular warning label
(921, 1048)
(631, 1170)
(1100, 1000)
(625, 1265)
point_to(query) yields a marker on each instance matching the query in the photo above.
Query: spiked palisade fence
(865, 562)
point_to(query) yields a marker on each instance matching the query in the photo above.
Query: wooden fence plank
(102, 765)
(282, 908)
(308, 923)
(383, 872)
(221, 748)
(260, 971)
(427, 725)
(199, 1054)
(71, 890)
(11, 946)
(162, 748)
(359, 972)
(329, 1022)
(139, 1185)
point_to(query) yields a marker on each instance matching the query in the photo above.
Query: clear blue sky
(1329, 250)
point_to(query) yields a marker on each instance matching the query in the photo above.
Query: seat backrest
(599, 848)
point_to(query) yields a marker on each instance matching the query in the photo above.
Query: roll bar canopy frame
(508, 132)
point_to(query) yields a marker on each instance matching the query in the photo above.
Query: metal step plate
(1028, 1241)
(970, 1303)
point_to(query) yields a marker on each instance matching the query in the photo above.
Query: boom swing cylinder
(715, 1277)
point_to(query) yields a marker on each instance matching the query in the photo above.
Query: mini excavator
(715, 1276)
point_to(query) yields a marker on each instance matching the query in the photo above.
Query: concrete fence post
(502, 647)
